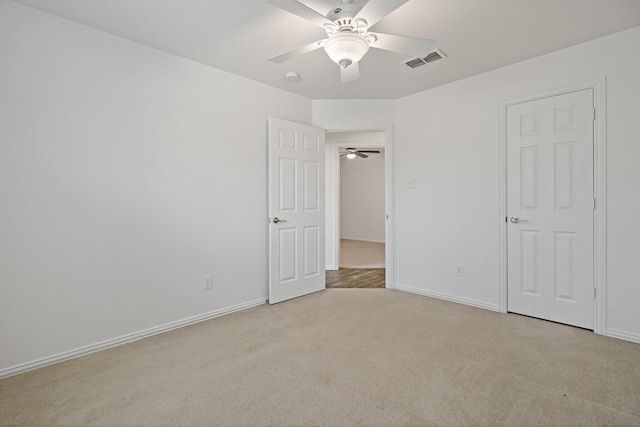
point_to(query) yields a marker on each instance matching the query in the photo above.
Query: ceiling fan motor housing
(343, 13)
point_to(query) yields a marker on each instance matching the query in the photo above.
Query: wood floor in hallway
(356, 278)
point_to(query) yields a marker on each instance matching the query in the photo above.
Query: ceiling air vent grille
(413, 63)
(434, 55)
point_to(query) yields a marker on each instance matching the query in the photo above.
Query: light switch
(411, 183)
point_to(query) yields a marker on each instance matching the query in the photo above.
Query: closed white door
(296, 210)
(550, 208)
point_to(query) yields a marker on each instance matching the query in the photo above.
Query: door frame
(599, 190)
(333, 216)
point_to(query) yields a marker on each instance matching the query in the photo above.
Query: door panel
(287, 178)
(529, 262)
(287, 240)
(550, 191)
(296, 199)
(311, 249)
(529, 180)
(311, 186)
(564, 256)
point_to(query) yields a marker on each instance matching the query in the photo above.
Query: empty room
(170, 209)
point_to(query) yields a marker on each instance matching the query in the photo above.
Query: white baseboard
(466, 301)
(614, 333)
(114, 342)
(331, 268)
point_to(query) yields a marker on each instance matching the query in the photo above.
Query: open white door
(550, 208)
(296, 210)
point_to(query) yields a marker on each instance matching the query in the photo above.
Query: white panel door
(550, 208)
(296, 210)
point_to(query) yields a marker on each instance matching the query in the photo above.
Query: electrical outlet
(459, 270)
(208, 282)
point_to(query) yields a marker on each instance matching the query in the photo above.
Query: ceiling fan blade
(349, 74)
(369, 151)
(302, 11)
(410, 45)
(297, 52)
(359, 154)
(375, 10)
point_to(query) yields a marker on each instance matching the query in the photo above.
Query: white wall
(447, 139)
(126, 176)
(362, 198)
(354, 114)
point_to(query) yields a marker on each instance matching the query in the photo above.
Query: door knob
(276, 220)
(515, 220)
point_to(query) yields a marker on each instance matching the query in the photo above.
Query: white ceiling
(239, 35)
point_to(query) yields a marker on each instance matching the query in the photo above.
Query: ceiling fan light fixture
(346, 48)
(351, 156)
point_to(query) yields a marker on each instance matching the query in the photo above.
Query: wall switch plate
(411, 183)
(208, 282)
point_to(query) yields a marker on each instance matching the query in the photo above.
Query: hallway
(360, 254)
(361, 266)
(356, 278)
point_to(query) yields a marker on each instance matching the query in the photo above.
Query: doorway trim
(388, 192)
(599, 192)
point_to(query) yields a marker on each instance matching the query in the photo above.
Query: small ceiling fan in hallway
(348, 36)
(351, 153)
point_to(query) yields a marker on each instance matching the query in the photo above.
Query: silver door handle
(515, 220)
(277, 220)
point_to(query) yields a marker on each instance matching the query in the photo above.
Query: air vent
(413, 63)
(434, 55)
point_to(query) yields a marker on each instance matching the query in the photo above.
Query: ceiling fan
(351, 153)
(348, 36)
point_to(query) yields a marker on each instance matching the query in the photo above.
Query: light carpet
(343, 357)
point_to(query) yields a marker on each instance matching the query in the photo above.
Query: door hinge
(506, 219)
(594, 114)
(594, 293)
(594, 203)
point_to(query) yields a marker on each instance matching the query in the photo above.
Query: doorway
(358, 205)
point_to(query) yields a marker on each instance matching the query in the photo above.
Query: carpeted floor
(343, 357)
